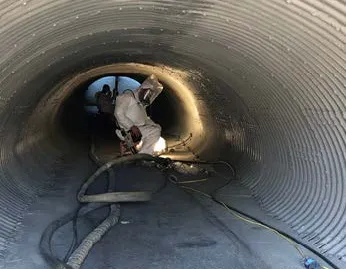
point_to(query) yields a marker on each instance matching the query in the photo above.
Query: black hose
(46, 238)
(45, 246)
(96, 160)
(75, 236)
(115, 196)
(81, 252)
(209, 162)
(180, 143)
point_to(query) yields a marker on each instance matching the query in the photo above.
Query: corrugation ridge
(337, 158)
(318, 96)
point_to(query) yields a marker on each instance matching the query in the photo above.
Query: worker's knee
(154, 130)
(157, 130)
(151, 133)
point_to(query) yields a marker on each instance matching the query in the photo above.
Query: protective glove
(136, 133)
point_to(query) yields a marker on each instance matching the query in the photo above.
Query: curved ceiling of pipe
(271, 75)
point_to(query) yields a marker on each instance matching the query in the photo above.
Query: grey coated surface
(190, 232)
(270, 73)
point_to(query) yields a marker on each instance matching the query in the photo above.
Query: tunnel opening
(80, 120)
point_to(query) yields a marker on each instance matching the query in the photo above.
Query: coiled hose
(115, 197)
(80, 254)
(95, 201)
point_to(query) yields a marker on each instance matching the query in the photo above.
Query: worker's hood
(149, 90)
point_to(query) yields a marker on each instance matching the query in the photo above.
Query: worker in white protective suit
(130, 112)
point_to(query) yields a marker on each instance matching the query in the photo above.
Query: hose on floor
(75, 256)
(80, 253)
(45, 242)
(115, 197)
(100, 200)
(111, 187)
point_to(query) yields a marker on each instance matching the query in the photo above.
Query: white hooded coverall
(130, 112)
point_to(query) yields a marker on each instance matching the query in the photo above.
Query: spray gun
(129, 141)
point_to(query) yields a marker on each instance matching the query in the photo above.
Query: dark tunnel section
(169, 113)
(75, 122)
(78, 126)
(266, 80)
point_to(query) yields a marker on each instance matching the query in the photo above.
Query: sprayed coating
(271, 75)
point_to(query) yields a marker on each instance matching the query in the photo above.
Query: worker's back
(105, 103)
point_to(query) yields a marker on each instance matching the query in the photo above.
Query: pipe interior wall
(271, 73)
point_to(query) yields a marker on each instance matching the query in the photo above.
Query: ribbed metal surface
(281, 65)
